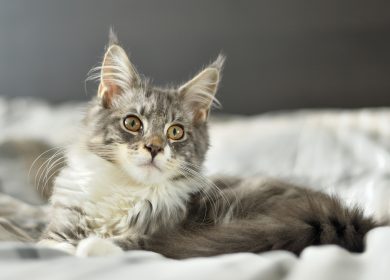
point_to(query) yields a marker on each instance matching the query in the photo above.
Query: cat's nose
(153, 149)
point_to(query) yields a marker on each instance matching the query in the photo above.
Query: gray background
(282, 54)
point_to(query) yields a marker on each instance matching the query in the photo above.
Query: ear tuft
(199, 93)
(116, 74)
(112, 37)
(218, 63)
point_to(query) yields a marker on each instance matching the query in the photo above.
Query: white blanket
(346, 152)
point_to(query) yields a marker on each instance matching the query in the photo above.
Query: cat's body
(133, 181)
(262, 214)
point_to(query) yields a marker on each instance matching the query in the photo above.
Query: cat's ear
(198, 94)
(117, 74)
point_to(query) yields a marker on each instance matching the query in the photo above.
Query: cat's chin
(147, 174)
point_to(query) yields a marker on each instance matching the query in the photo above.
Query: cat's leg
(67, 227)
(94, 246)
(86, 247)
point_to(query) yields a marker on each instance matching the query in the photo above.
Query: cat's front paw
(95, 247)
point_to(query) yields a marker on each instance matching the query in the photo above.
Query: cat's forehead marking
(156, 107)
(156, 102)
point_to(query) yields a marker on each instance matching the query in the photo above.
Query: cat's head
(153, 134)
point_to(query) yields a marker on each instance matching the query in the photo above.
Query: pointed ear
(198, 94)
(117, 74)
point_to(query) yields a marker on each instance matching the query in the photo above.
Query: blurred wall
(282, 54)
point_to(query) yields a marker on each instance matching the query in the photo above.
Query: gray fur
(158, 107)
(262, 216)
(228, 215)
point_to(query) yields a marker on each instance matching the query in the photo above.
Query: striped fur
(115, 195)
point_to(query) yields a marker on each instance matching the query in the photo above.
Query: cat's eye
(175, 132)
(132, 123)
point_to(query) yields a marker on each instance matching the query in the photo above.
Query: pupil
(174, 131)
(133, 123)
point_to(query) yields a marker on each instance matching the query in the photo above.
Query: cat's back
(259, 194)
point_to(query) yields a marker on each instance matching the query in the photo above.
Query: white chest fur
(114, 204)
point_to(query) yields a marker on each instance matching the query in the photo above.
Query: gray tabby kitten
(133, 181)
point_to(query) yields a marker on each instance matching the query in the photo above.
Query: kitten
(133, 181)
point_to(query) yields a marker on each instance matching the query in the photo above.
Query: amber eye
(175, 132)
(132, 123)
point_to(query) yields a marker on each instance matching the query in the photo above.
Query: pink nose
(153, 149)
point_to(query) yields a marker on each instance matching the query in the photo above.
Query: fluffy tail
(315, 221)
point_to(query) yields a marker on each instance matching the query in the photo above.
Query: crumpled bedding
(339, 151)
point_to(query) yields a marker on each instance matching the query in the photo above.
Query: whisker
(47, 180)
(208, 181)
(40, 171)
(201, 187)
(38, 157)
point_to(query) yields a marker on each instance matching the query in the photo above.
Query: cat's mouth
(151, 166)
